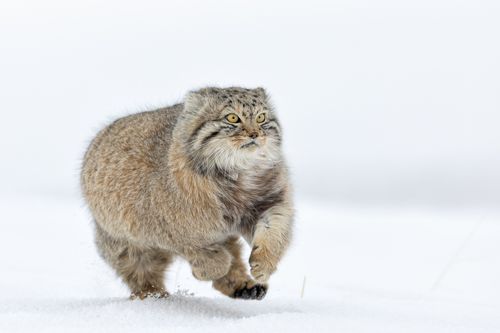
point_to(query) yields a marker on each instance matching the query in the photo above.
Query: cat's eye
(261, 118)
(232, 118)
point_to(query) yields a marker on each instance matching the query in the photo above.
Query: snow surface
(365, 270)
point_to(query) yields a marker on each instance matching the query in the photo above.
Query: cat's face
(231, 129)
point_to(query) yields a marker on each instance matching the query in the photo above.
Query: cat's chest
(244, 199)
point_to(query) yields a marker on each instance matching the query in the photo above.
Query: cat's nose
(253, 135)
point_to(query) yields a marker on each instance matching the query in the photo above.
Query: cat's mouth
(251, 143)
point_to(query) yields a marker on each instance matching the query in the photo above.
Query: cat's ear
(261, 92)
(194, 101)
(263, 96)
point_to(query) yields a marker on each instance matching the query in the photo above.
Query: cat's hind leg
(142, 269)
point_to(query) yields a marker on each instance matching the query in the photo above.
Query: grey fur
(184, 181)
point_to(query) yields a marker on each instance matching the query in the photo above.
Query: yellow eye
(260, 118)
(232, 118)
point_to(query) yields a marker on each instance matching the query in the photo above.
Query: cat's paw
(251, 291)
(237, 284)
(211, 263)
(262, 263)
(160, 293)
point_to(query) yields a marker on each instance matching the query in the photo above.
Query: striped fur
(183, 181)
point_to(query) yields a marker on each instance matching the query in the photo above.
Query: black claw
(261, 292)
(245, 294)
(253, 292)
(256, 292)
(237, 293)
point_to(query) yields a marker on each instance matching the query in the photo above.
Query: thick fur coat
(188, 180)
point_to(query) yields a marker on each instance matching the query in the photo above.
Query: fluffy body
(184, 181)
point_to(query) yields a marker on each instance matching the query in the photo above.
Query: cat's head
(229, 129)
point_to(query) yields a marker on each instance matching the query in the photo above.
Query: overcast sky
(381, 101)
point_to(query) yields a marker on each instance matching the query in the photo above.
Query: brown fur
(182, 181)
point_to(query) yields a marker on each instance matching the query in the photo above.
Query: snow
(366, 269)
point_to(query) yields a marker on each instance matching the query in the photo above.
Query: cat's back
(124, 157)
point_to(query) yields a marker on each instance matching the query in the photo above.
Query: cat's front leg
(270, 241)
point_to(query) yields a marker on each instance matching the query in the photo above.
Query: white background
(391, 113)
(380, 100)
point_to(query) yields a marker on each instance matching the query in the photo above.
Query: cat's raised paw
(262, 264)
